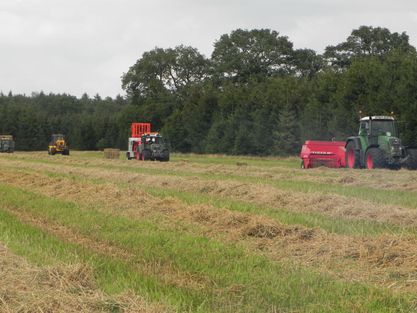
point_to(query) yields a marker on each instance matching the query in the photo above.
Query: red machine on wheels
(137, 131)
(145, 145)
(323, 153)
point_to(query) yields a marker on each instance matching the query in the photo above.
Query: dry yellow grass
(62, 288)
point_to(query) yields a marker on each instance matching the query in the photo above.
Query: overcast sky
(77, 46)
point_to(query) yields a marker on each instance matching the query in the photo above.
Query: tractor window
(57, 137)
(364, 128)
(384, 128)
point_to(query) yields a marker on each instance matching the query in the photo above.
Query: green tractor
(379, 146)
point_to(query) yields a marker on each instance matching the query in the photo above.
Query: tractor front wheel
(146, 155)
(352, 156)
(374, 159)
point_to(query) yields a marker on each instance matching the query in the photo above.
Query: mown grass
(234, 280)
(336, 225)
(405, 198)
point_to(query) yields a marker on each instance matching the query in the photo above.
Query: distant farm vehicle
(6, 143)
(58, 145)
(376, 146)
(145, 145)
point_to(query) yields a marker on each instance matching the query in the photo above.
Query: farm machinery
(377, 145)
(58, 145)
(146, 145)
(6, 143)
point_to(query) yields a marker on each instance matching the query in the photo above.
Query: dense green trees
(255, 95)
(88, 123)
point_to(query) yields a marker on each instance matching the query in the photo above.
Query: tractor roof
(377, 117)
(152, 134)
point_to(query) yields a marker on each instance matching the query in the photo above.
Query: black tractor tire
(411, 162)
(128, 156)
(53, 151)
(374, 158)
(146, 155)
(352, 156)
(66, 152)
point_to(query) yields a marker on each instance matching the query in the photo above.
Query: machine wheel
(374, 159)
(66, 152)
(53, 151)
(166, 156)
(411, 163)
(146, 155)
(352, 156)
(128, 156)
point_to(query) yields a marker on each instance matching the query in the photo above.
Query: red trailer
(323, 153)
(137, 131)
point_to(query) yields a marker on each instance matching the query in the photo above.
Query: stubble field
(204, 234)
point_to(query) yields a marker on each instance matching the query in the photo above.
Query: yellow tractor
(58, 145)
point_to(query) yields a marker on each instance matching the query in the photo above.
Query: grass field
(204, 234)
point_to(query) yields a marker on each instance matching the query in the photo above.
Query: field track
(204, 234)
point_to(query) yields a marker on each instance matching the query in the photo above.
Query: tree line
(255, 95)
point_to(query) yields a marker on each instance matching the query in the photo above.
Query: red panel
(138, 129)
(323, 153)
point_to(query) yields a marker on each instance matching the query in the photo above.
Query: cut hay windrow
(329, 204)
(263, 284)
(26, 287)
(370, 259)
(272, 169)
(152, 215)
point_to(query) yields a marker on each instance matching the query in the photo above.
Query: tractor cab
(378, 126)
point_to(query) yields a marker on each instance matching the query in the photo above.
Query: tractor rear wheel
(352, 156)
(411, 163)
(374, 159)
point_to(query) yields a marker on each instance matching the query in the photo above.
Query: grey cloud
(85, 46)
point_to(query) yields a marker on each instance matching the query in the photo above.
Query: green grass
(234, 280)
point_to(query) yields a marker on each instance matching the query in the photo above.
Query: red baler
(323, 153)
